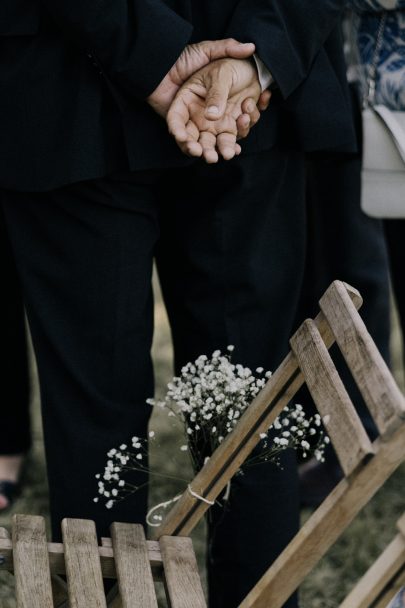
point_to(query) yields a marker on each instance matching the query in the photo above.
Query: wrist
(162, 97)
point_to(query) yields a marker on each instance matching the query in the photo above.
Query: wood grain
(375, 381)
(389, 594)
(57, 559)
(182, 580)
(340, 418)
(31, 563)
(401, 525)
(83, 569)
(327, 524)
(4, 557)
(231, 454)
(133, 568)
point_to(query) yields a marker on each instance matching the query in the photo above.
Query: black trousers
(345, 244)
(395, 235)
(15, 436)
(229, 242)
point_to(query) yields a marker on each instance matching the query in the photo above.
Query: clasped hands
(211, 98)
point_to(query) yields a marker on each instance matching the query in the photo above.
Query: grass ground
(335, 574)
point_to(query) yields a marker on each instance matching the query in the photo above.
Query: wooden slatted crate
(131, 559)
(385, 577)
(128, 557)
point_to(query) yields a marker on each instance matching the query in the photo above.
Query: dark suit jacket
(74, 75)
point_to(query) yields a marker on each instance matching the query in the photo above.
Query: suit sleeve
(135, 42)
(288, 34)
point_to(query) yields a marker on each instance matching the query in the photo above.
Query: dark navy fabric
(74, 76)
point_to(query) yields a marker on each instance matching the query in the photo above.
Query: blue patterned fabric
(399, 600)
(391, 64)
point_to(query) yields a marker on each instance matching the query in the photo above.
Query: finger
(191, 147)
(226, 145)
(208, 142)
(216, 49)
(243, 125)
(238, 149)
(194, 149)
(177, 119)
(264, 100)
(217, 94)
(249, 107)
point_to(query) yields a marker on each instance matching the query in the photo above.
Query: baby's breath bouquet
(209, 397)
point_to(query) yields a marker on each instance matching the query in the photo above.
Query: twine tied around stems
(172, 501)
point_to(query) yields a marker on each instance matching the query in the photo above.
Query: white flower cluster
(209, 397)
(293, 430)
(111, 485)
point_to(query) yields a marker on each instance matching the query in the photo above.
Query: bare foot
(10, 467)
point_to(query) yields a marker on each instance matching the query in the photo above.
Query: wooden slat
(83, 569)
(391, 592)
(372, 376)
(182, 580)
(31, 563)
(401, 525)
(341, 420)
(398, 601)
(4, 534)
(231, 454)
(4, 559)
(378, 577)
(57, 560)
(326, 525)
(132, 564)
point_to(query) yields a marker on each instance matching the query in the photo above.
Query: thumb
(216, 49)
(217, 96)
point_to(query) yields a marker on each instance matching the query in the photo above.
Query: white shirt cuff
(265, 77)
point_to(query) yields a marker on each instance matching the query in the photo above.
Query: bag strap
(394, 126)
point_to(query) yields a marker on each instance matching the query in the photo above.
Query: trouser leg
(395, 235)
(15, 437)
(85, 257)
(347, 245)
(231, 260)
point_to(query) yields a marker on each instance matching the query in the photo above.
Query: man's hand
(193, 58)
(214, 106)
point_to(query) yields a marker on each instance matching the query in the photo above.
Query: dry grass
(336, 573)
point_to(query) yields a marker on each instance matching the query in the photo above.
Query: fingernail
(213, 110)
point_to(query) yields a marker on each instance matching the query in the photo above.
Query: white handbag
(383, 172)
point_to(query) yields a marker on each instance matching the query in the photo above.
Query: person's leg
(343, 244)
(395, 235)
(84, 254)
(348, 245)
(231, 260)
(15, 435)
